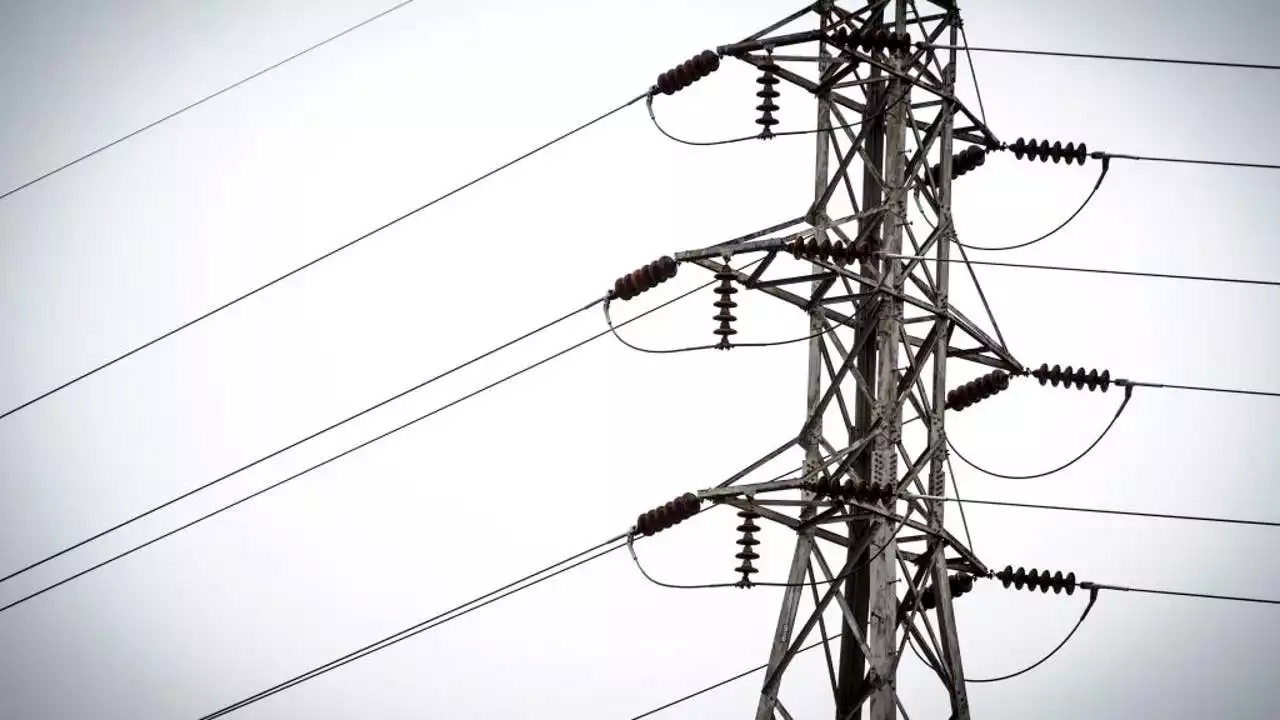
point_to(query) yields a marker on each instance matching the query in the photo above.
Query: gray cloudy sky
(170, 224)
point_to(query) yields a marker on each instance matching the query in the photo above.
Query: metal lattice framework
(882, 330)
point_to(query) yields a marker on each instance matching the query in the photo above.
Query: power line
(742, 138)
(720, 684)
(1205, 388)
(1104, 511)
(205, 99)
(430, 623)
(1100, 56)
(1096, 271)
(1128, 395)
(1199, 596)
(1093, 599)
(350, 450)
(1102, 176)
(298, 442)
(317, 260)
(1189, 161)
(1096, 586)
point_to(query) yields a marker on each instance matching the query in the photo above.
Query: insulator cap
(646, 278)
(867, 492)
(1041, 580)
(668, 515)
(838, 252)
(688, 72)
(966, 160)
(1069, 376)
(748, 528)
(976, 391)
(868, 39)
(725, 303)
(767, 94)
(959, 583)
(1043, 151)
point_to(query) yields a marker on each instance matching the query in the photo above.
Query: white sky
(170, 224)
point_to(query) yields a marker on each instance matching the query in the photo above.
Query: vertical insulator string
(767, 94)
(725, 305)
(748, 541)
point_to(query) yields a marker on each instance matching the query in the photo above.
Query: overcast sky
(174, 222)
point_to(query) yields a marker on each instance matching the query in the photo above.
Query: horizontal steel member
(787, 520)
(747, 46)
(737, 249)
(744, 490)
(957, 564)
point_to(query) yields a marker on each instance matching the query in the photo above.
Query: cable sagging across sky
(205, 99)
(558, 568)
(300, 441)
(348, 451)
(1101, 56)
(351, 243)
(1104, 511)
(1098, 271)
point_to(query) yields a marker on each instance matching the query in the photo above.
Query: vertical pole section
(851, 678)
(937, 430)
(883, 601)
(813, 393)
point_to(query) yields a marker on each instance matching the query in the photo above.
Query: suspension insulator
(748, 541)
(959, 584)
(646, 278)
(869, 492)
(838, 252)
(976, 391)
(827, 486)
(965, 161)
(668, 515)
(1040, 580)
(688, 72)
(871, 39)
(767, 94)
(1042, 150)
(1069, 376)
(726, 305)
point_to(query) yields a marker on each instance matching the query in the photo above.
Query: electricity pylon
(881, 332)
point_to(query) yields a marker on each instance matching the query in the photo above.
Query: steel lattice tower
(882, 330)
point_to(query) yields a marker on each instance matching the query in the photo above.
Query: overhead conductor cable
(344, 453)
(1101, 56)
(558, 568)
(298, 442)
(315, 261)
(206, 98)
